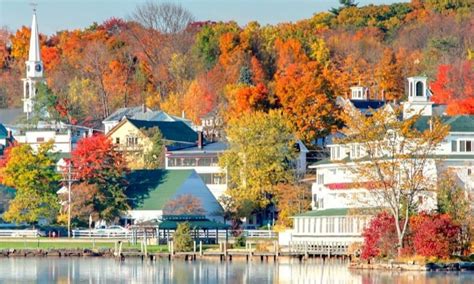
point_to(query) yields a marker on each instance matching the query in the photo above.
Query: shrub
(434, 235)
(182, 240)
(380, 238)
(240, 240)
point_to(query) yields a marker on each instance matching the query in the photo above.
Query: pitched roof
(366, 105)
(3, 132)
(214, 147)
(127, 112)
(152, 189)
(458, 123)
(10, 116)
(171, 130)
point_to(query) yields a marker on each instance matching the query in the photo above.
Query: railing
(321, 248)
(19, 233)
(221, 234)
(104, 234)
(264, 234)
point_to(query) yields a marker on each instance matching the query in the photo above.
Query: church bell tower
(34, 70)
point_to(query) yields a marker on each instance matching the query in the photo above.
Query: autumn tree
(388, 75)
(184, 205)
(453, 200)
(259, 157)
(82, 204)
(291, 199)
(34, 177)
(454, 86)
(307, 99)
(434, 235)
(396, 160)
(96, 161)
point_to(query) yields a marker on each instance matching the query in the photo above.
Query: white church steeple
(34, 69)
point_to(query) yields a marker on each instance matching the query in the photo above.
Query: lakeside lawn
(70, 244)
(46, 243)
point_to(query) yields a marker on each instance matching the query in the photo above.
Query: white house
(342, 206)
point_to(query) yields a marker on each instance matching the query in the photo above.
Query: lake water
(105, 270)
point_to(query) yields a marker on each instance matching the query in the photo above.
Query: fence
(222, 234)
(19, 233)
(319, 248)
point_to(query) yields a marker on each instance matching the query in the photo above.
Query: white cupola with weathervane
(34, 69)
(418, 98)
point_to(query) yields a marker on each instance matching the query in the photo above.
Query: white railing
(264, 234)
(103, 234)
(19, 233)
(222, 234)
(314, 247)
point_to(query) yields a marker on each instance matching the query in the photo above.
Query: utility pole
(69, 181)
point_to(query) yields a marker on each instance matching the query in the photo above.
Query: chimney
(144, 107)
(200, 139)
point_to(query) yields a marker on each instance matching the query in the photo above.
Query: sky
(56, 15)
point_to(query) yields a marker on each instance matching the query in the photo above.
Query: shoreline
(403, 266)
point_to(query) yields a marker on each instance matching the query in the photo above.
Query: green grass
(45, 244)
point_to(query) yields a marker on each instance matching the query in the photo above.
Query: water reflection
(101, 270)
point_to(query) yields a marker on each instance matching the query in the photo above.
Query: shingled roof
(171, 130)
(152, 189)
(459, 123)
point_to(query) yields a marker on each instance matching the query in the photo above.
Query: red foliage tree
(380, 238)
(434, 235)
(454, 86)
(96, 161)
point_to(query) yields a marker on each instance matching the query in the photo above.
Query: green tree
(154, 157)
(182, 240)
(44, 106)
(259, 157)
(455, 201)
(34, 177)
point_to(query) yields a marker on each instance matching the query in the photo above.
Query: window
(469, 172)
(454, 146)
(132, 141)
(468, 146)
(462, 146)
(419, 89)
(420, 200)
(214, 178)
(117, 140)
(39, 139)
(320, 178)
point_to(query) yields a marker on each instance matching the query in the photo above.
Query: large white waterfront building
(342, 207)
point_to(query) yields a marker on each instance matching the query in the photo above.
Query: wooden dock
(298, 250)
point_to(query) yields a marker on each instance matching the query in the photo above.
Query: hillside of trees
(180, 65)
